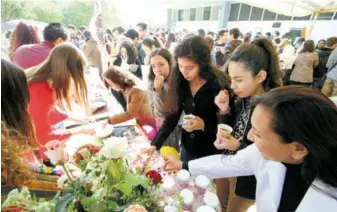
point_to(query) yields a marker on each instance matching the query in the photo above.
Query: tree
(47, 11)
(78, 13)
(13, 9)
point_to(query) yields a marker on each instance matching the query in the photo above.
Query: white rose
(115, 148)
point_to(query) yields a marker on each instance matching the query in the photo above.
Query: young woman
(161, 65)
(193, 87)
(128, 57)
(23, 34)
(52, 87)
(254, 69)
(306, 61)
(294, 156)
(320, 44)
(15, 100)
(149, 45)
(171, 43)
(138, 104)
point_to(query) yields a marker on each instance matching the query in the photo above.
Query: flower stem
(67, 172)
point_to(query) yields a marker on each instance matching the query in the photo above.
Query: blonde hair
(64, 65)
(14, 169)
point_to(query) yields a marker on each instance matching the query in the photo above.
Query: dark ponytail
(153, 41)
(260, 55)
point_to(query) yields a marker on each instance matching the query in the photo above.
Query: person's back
(304, 66)
(31, 55)
(323, 55)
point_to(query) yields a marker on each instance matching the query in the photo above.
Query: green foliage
(78, 13)
(14, 9)
(47, 11)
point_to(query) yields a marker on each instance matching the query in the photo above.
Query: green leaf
(64, 202)
(83, 164)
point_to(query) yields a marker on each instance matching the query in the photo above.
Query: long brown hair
(23, 34)
(15, 100)
(14, 169)
(64, 65)
(118, 77)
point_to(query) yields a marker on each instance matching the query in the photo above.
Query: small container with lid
(202, 183)
(183, 178)
(168, 185)
(188, 198)
(205, 208)
(211, 200)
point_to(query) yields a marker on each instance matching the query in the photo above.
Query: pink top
(31, 55)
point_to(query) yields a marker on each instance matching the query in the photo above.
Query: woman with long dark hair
(148, 45)
(161, 67)
(171, 43)
(15, 99)
(294, 157)
(194, 84)
(128, 57)
(23, 34)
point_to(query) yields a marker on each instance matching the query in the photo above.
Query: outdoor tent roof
(285, 7)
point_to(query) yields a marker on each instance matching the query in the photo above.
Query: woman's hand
(172, 164)
(194, 124)
(158, 83)
(53, 144)
(87, 131)
(149, 151)
(226, 141)
(222, 101)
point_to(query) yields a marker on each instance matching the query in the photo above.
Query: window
(256, 14)
(305, 18)
(215, 13)
(269, 16)
(193, 14)
(180, 15)
(283, 17)
(233, 15)
(207, 13)
(335, 18)
(244, 12)
(325, 16)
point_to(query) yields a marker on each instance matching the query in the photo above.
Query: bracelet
(226, 112)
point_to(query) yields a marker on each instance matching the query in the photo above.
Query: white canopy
(286, 7)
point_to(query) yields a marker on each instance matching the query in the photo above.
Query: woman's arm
(244, 163)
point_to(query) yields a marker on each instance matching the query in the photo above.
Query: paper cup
(225, 128)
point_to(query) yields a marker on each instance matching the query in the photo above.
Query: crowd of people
(281, 153)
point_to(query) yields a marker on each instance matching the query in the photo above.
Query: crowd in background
(214, 76)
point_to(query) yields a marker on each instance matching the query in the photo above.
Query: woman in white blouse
(294, 157)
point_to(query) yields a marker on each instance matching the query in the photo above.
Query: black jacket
(221, 58)
(138, 73)
(323, 56)
(245, 186)
(199, 143)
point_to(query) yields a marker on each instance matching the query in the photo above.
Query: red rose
(154, 176)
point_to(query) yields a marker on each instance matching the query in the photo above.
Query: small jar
(168, 185)
(188, 198)
(211, 200)
(183, 178)
(205, 208)
(202, 183)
